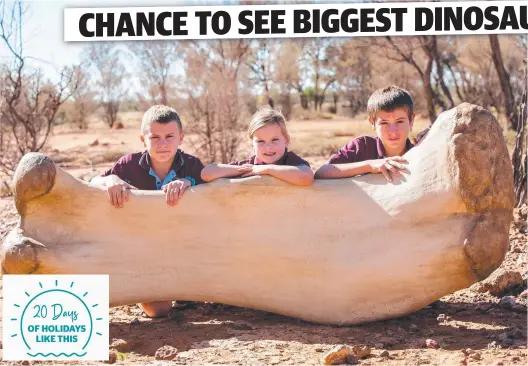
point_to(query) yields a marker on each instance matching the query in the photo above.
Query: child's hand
(174, 190)
(388, 166)
(118, 191)
(249, 170)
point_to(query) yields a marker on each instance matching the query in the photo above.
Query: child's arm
(105, 181)
(117, 189)
(175, 190)
(384, 166)
(300, 175)
(215, 171)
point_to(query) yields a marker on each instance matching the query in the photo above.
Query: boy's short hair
(267, 115)
(388, 99)
(161, 114)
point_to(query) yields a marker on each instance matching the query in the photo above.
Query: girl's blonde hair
(267, 115)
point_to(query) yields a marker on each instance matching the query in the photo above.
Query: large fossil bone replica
(339, 252)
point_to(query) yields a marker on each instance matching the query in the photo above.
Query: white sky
(43, 30)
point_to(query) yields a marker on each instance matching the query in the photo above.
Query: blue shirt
(169, 178)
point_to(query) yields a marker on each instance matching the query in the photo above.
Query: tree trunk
(304, 100)
(163, 92)
(519, 158)
(440, 72)
(268, 95)
(504, 79)
(428, 89)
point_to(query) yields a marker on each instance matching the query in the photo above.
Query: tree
(470, 68)
(214, 71)
(519, 157)
(261, 65)
(504, 79)
(156, 60)
(319, 67)
(106, 61)
(419, 53)
(290, 72)
(28, 102)
(354, 72)
(83, 104)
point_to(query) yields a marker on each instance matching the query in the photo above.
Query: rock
(361, 351)
(463, 361)
(120, 345)
(5, 189)
(388, 341)
(1, 345)
(26, 363)
(441, 318)
(498, 363)
(493, 345)
(431, 343)
(117, 125)
(507, 302)
(318, 349)
(112, 357)
(166, 353)
(94, 142)
(340, 355)
(385, 354)
(134, 321)
(467, 351)
(476, 356)
(498, 282)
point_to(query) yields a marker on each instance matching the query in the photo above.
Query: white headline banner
(295, 20)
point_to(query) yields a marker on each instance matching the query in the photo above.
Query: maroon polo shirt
(289, 158)
(135, 169)
(362, 148)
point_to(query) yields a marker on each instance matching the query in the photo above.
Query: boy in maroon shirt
(391, 114)
(161, 167)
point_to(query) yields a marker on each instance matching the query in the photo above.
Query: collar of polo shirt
(146, 163)
(381, 148)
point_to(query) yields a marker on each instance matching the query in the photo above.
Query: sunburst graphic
(58, 320)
